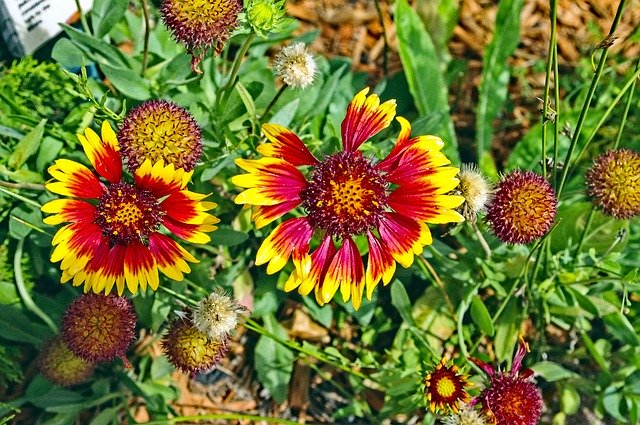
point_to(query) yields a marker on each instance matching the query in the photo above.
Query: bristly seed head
(99, 328)
(160, 130)
(346, 195)
(523, 207)
(613, 183)
(475, 189)
(217, 315)
(59, 365)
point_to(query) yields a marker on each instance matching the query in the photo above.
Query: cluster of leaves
(572, 295)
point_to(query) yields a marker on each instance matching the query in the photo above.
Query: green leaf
(128, 82)
(423, 70)
(247, 100)
(107, 416)
(24, 218)
(552, 371)
(105, 14)
(16, 326)
(273, 361)
(621, 328)
(495, 71)
(27, 146)
(507, 328)
(228, 237)
(400, 300)
(67, 54)
(481, 317)
(285, 115)
(96, 49)
(570, 400)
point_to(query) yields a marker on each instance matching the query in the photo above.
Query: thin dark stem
(440, 285)
(274, 100)
(547, 84)
(147, 33)
(627, 106)
(589, 98)
(587, 225)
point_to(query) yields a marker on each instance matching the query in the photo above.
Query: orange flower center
(126, 213)
(346, 195)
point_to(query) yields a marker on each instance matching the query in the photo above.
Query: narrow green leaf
(105, 14)
(551, 371)
(423, 70)
(97, 49)
(24, 219)
(16, 326)
(128, 82)
(228, 237)
(285, 115)
(27, 146)
(481, 317)
(507, 328)
(495, 71)
(621, 328)
(247, 100)
(400, 300)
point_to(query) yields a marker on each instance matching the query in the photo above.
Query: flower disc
(613, 183)
(512, 400)
(445, 388)
(99, 328)
(523, 208)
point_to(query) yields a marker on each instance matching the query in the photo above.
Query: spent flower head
(217, 315)
(613, 183)
(59, 365)
(510, 398)
(445, 388)
(191, 350)
(475, 189)
(160, 130)
(99, 328)
(347, 196)
(266, 16)
(296, 66)
(466, 415)
(201, 24)
(522, 208)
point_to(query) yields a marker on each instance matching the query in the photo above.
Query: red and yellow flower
(116, 229)
(348, 198)
(445, 388)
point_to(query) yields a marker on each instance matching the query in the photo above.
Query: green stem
(256, 327)
(547, 83)
(226, 416)
(274, 100)
(20, 197)
(587, 101)
(556, 96)
(428, 269)
(181, 297)
(482, 240)
(147, 33)
(583, 237)
(83, 18)
(237, 62)
(30, 186)
(630, 83)
(24, 293)
(626, 108)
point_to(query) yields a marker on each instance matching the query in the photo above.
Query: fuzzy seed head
(613, 183)
(523, 208)
(160, 130)
(59, 365)
(217, 315)
(190, 350)
(201, 24)
(475, 189)
(296, 66)
(99, 328)
(467, 415)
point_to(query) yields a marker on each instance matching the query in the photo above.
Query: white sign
(34, 22)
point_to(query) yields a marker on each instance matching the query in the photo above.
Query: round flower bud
(523, 208)
(217, 315)
(475, 189)
(160, 130)
(613, 183)
(265, 16)
(99, 328)
(190, 350)
(59, 365)
(296, 66)
(201, 24)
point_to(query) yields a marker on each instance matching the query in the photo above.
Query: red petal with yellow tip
(287, 145)
(365, 118)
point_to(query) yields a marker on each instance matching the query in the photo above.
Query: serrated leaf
(27, 146)
(481, 317)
